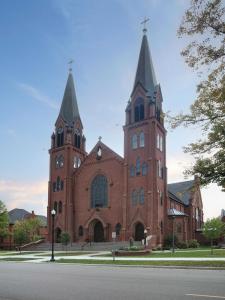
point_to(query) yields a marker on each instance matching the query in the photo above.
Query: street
(29, 281)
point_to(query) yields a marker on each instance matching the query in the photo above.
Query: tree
(21, 233)
(65, 239)
(204, 21)
(4, 220)
(26, 231)
(213, 229)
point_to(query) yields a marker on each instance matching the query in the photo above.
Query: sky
(38, 38)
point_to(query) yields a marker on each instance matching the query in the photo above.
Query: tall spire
(145, 74)
(69, 108)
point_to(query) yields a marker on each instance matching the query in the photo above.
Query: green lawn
(216, 264)
(192, 253)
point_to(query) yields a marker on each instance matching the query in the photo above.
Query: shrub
(193, 244)
(168, 241)
(182, 245)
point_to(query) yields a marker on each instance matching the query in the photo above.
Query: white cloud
(27, 195)
(37, 95)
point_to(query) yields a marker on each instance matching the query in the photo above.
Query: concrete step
(107, 246)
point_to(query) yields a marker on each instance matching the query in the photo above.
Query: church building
(100, 194)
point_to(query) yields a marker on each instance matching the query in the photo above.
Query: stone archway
(98, 232)
(139, 231)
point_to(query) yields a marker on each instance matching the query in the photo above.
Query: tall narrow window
(58, 184)
(99, 191)
(138, 166)
(159, 169)
(60, 137)
(132, 171)
(142, 139)
(161, 197)
(76, 162)
(134, 197)
(134, 142)
(144, 169)
(139, 111)
(161, 226)
(60, 207)
(80, 231)
(141, 196)
(158, 142)
(77, 139)
(161, 143)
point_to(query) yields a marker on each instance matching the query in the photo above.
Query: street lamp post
(145, 236)
(53, 212)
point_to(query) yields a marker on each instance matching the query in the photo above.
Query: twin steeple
(69, 111)
(145, 74)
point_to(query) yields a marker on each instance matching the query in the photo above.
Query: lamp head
(53, 212)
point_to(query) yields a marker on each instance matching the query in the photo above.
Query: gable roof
(18, 214)
(182, 190)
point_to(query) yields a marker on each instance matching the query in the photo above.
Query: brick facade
(101, 192)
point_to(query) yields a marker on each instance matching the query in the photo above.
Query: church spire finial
(70, 65)
(144, 24)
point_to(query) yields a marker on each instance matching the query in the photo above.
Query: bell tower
(66, 155)
(145, 154)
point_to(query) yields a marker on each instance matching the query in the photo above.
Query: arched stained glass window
(58, 184)
(134, 142)
(144, 168)
(142, 140)
(138, 166)
(141, 196)
(99, 191)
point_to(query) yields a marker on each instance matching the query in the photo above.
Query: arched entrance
(58, 232)
(98, 232)
(139, 231)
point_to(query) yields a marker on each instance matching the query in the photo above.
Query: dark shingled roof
(145, 74)
(18, 214)
(69, 108)
(182, 190)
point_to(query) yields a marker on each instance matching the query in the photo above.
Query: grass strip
(16, 259)
(207, 254)
(220, 264)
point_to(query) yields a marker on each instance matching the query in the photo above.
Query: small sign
(113, 235)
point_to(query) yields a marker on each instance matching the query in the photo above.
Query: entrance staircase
(104, 246)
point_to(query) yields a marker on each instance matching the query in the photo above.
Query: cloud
(27, 195)
(37, 95)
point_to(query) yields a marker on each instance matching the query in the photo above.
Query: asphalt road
(29, 281)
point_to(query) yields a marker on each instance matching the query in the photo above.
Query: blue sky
(38, 38)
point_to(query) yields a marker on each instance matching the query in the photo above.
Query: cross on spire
(70, 65)
(144, 24)
(100, 138)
